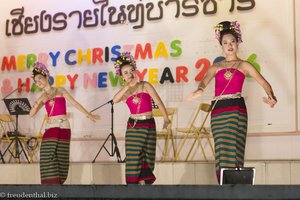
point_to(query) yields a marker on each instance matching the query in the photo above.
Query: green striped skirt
(229, 128)
(140, 144)
(55, 152)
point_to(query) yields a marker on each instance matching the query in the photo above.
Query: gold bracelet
(272, 97)
(167, 121)
(35, 105)
(200, 88)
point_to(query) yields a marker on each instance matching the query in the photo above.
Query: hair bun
(228, 26)
(124, 58)
(39, 68)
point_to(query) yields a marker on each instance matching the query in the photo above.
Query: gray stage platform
(151, 192)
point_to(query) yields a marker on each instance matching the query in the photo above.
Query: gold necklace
(135, 98)
(137, 110)
(228, 73)
(51, 97)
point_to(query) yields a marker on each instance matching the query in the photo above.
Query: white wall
(297, 29)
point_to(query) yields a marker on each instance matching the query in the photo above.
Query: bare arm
(120, 95)
(37, 106)
(154, 95)
(210, 74)
(250, 70)
(77, 105)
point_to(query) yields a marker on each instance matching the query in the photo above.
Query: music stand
(114, 146)
(17, 106)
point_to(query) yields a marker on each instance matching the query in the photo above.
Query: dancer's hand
(93, 117)
(270, 101)
(166, 124)
(194, 95)
(133, 80)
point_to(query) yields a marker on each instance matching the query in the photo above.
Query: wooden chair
(197, 132)
(7, 125)
(8, 131)
(166, 134)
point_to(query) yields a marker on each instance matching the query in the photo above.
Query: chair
(166, 134)
(7, 125)
(8, 133)
(198, 133)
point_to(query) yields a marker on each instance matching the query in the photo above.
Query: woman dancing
(55, 145)
(140, 136)
(229, 113)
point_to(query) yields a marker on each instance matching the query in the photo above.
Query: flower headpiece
(233, 26)
(125, 57)
(39, 68)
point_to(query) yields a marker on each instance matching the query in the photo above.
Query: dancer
(229, 113)
(55, 145)
(141, 131)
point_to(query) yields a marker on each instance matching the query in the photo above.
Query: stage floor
(231, 192)
(167, 173)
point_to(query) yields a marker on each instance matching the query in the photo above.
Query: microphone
(20, 86)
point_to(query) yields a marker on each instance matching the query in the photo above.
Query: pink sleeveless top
(59, 106)
(145, 104)
(235, 85)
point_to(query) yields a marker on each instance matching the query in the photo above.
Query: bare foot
(142, 182)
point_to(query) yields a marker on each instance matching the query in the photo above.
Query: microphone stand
(13, 91)
(114, 146)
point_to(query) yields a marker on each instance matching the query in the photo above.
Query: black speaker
(245, 175)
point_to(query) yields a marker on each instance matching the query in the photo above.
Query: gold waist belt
(62, 123)
(142, 117)
(227, 96)
(51, 121)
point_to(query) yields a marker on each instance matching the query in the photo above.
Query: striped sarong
(140, 144)
(229, 128)
(55, 152)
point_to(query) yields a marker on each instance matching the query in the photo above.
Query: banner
(173, 42)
